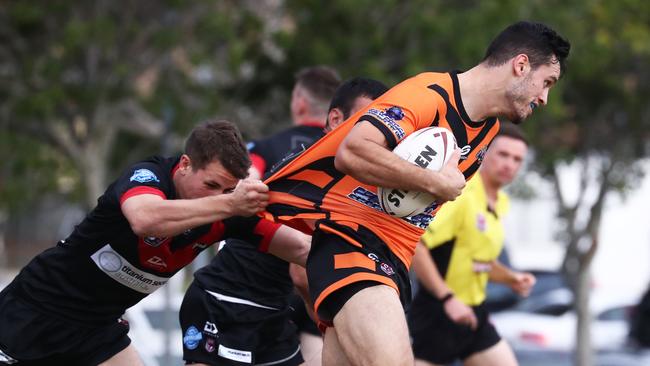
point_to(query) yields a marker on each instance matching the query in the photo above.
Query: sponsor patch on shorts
(192, 337)
(235, 354)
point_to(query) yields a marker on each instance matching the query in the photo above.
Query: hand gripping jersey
(310, 188)
(103, 268)
(464, 238)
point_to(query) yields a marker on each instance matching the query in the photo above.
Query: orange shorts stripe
(352, 260)
(357, 277)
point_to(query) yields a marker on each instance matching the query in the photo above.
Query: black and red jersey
(240, 270)
(103, 267)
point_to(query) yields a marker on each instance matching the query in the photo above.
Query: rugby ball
(429, 148)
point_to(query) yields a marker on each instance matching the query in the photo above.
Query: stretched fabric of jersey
(310, 188)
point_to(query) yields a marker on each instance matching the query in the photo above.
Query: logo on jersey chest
(481, 222)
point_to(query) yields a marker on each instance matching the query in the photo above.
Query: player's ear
(334, 118)
(185, 164)
(521, 64)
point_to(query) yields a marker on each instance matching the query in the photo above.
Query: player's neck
(482, 90)
(491, 188)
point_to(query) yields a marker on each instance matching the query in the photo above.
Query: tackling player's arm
(152, 215)
(364, 155)
(290, 245)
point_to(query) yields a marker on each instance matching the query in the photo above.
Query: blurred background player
(454, 260)
(310, 99)
(240, 301)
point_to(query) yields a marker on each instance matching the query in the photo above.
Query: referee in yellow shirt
(457, 256)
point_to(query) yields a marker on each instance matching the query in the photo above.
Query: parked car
(548, 322)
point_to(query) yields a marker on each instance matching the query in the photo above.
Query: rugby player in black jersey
(64, 307)
(311, 95)
(237, 309)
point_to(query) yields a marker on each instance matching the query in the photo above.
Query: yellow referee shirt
(464, 238)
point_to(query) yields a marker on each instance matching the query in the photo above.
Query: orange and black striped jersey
(309, 188)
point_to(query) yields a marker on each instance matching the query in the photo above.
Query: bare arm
(151, 215)
(291, 245)
(428, 274)
(364, 156)
(521, 282)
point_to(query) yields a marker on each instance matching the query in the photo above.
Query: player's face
(532, 91)
(503, 160)
(212, 180)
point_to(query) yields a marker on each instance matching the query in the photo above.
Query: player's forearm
(427, 272)
(500, 273)
(291, 245)
(163, 218)
(375, 165)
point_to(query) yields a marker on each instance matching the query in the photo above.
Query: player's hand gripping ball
(429, 148)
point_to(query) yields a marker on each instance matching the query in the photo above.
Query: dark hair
(541, 43)
(352, 89)
(218, 140)
(511, 130)
(320, 82)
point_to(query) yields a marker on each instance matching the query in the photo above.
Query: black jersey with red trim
(241, 270)
(267, 152)
(103, 267)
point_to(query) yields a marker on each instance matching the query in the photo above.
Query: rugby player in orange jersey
(358, 264)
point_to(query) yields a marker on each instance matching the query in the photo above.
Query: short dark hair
(218, 140)
(511, 130)
(541, 43)
(320, 82)
(351, 89)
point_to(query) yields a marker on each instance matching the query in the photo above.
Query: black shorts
(36, 338)
(343, 261)
(301, 317)
(217, 332)
(438, 339)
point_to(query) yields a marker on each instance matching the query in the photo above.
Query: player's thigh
(419, 362)
(498, 355)
(333, 354)
(126, 357)
(371, 328)
(312, 347)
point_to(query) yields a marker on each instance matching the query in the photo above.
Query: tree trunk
(583, 351)
(94, 173)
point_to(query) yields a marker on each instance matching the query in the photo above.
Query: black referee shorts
(438, 339)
